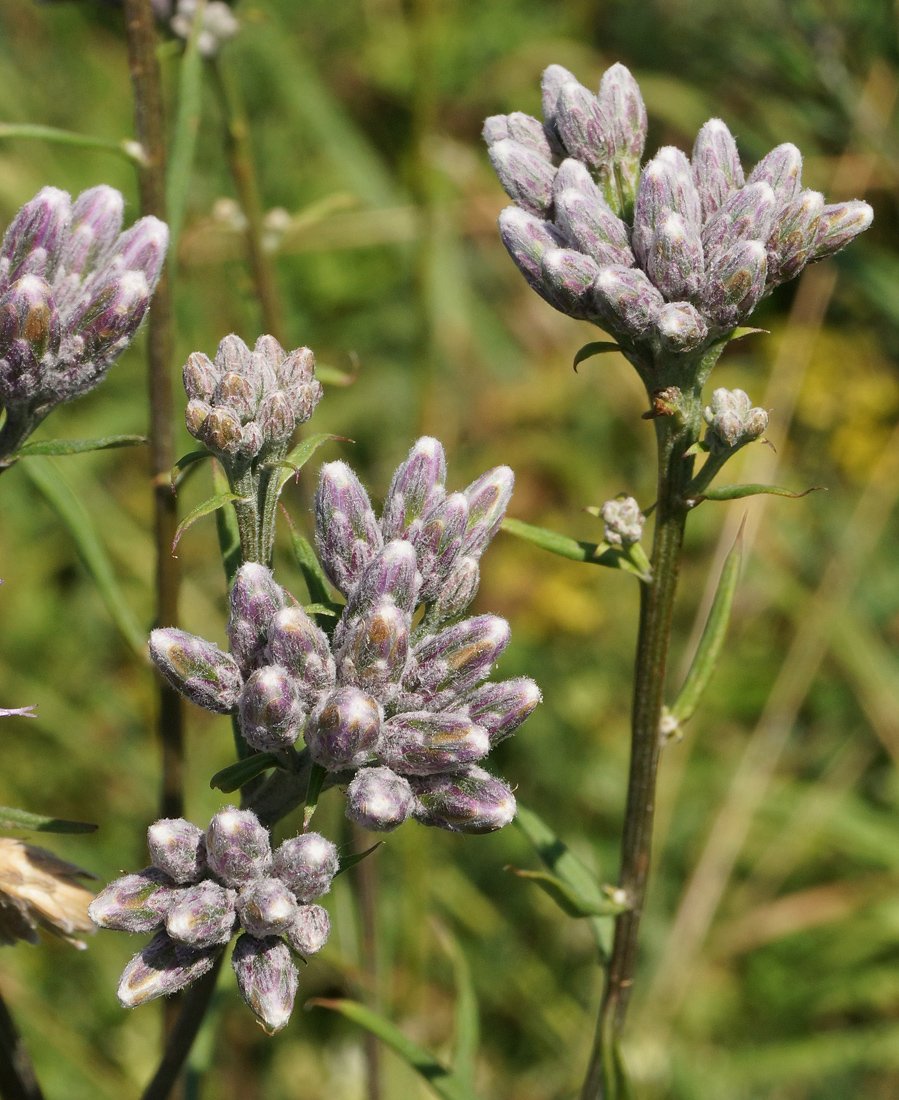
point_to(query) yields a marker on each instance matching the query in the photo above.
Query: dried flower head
(39, 890)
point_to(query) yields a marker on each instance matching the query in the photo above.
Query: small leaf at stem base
(235, 775)
(204, 509)
(598, 347)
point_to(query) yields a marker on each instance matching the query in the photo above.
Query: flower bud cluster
(666, 258)
(218, 23)
(403, 713)
(203, 887)
(624, 521)
(732, 420)
(73, 291)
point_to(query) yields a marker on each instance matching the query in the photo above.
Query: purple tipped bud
(488, 498)
(584, 129)
(458, 590)
(471, 801)
(393, 573)
(748, 215)
(681, 327)
(839, 224)
(238, 849)
(782, 169)
(458, 657)
(793, 237)
(276, 417)
(197, 668)
(567, 277)
(735, 285)
(96, 224)
(255, 600)
(379, 800)
(162, 968)
(296, 643)
(422, 743)
(526, 176)
(716, 166)
(267, 979)
(374, 653)
(200, 377)
(266, 908)
(501, 708)
(526, 239)
(203, 915)
(346, 529)
(232, 355)
(296, 376)
(591, 225)
(666, 184)
(135, 903)
(675, 262)
(417, 487)
(732, 420)
(29, 341)
(195, 417)
(554, 77)
(624, 521)
(306, 864)
(310, 930)
(439, 541)
(221, 431)
(142, 248)
(237, 393)
(109, 321)
(342, 732)
(495, 128)
(33, 242)
(271, 713)
(622, 104)
(626, 301)
(178, 848)
(251, 440)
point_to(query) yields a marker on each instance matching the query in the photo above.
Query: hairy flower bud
(681, 327)
(379, 800)
(621, 103)
(567, 278)
(266, 907)
(135, 903)
(782, 169)
(342, 732)
(375, 651)
(221, 432)
(96, 224)
(526, 175)
(626, 301)
(297, 644)
(201, 377)
(500, 708)
(675, 261)
(422, 743)
(306, 864)
(271, 713)
(717, 171)
(267, 979)
(526, 238)
(590, 225)
(839, 224)
(236, 392)
(178, 848)
(392, 573)
(584, 129)
(29, 340)
(276, 417)
(416, 488)
(296, 376)
(554, 77)
(197, 668)
(666, 184)
(34, 240)
(732, 420)
(346, 529)
(793, 237)
(748, 215)
(238, 849)
(735, 285)
(488, 498)
(470, 801)
(438, 542)
(624, 521)
(254, 601)
(458, 590)
(458, 657)
(162, 968)
(203, 915)
(310, 930)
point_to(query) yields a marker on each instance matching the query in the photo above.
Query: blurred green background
(770, 966)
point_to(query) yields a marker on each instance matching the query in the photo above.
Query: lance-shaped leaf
(131, 150)
(300, 455)
(446, 1083)
(11, 818)
(79, 446)
(737, 492)
(466, 1016)
(317, 776)
(598, 347)
(235, 775)
(204, 509)
(350, 861)
(594, 553)
(186, 462)
(568, 899)
(316, 582)
(712, 641)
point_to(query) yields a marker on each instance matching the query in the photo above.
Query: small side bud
(732, 420)
(501, 708)
(267, 979)
(681, 327)
(310, 930)
(488, 498)
(198, 669)
(162, 968)
(135, 903)
(266, 908)
(178, 848)
(423, 743)
(471, 801)
(624, 521)
(306, 864)
(238, 848)
(379, 800)
(203, 916)
(840, 223)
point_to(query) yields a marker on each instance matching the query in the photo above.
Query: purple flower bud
(271, 713)
(162, 968)
(500, 708)
(374, 652)
(840, 223)
(135, 903)
(526, 239)
(580, 122)
(439, 541)
(95, 227)
(471, 801)
(346, 529)
(567, 278)
(675, 262)
(276, 417)
(393, 573)
(732, 420)
(622, 104)
(263, 363)
(554, 77)
(458, 590)
(526, 175)
(590, 225)
(221, 431)
(33, 242)
(106, 326)
(296, 376)
(681, 327)
(296, 643)
(232, 355)
(666, 184)
(521, 128)
(495, 128)
(255, 600)
(793, 236)
(238, 849)
(626, 301)
(29, 341)
(195, 415)
(197, 668)
(201, 377)
(488, 498)
(237, 393)
(379, 800)
(310, 930)
(458, 657)
(178, 848)
(782, 169)
(266, 908)
(141, 248)
(735, 285)
(342, 732)
(306, 864)
(251, 440)
(416, 488)
(716, 166)
(267, 979)
(203, 915)
(422, 743)
(573, 176)
(748, 215)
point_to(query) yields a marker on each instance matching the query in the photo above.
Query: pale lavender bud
(271, 713)
(458, 590)
(392, 572)
(379, 800)
(500, 708)
(95, 227)
(733, 288)
(681, 327)
(276, 417)
(197, 668)
(266, 908)
(346, 529)
(622, 104)
(416, 488)
(675, 262)
(840, 223)
(748, 215)
(471, 801)
(221, 431)
(310, 930)
(793, 236)
(439, 541)
(264, 361)
(591, 226)
(135, 903)
(567, 278)
(195, 415)
(178, 848)
(33, 241)
(488, 498)
(666, 184)
(583, 127)
(495, 128)
(554, 77)
(732, 420)
(251, 440)
(255, 600)
(162, 968)
(141, 248)
(342, 732)
(201, 377)
(29, 341)
(267, 979)
(716, 165)
(374, 652)
(105, 328)
(626, 300)
(526, 239)
(236, 392)
(203, 916)
(782, 169)
(624, 521)
(296, 643)
(526, 175)
(296, 376)
(238, 849)
(306, 864)
(422, 743)
(573, 176)
(458, 657)
(232, 354)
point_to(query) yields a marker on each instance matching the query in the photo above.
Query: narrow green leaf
(317, 775)
(329, 610)
(184, 136)
(598, 347)
(444, 1082)
(357, 857)
(595, 553)
(467, 1030)
(334, 376)
(210, 505)
(226, 528)
(739, 333)
(300, 455)
(131, 150)
(310, 567)
(79, 446)
(184, 462)
(567, 898)
(737, 492)
(235, 775)
(712, 641)
(20, 819)
(45, 475)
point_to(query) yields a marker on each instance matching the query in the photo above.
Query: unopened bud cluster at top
(732, 420)
(203, 887)
(403, 713)
(665, 258)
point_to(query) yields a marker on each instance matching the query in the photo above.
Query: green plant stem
(17, 1077)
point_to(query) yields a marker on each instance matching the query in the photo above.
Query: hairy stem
(17, 1077)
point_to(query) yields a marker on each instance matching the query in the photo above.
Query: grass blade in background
(467, 1030)
(78, 446)
(11, 818)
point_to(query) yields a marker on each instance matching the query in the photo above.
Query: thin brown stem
(18, 1080)
(365, 880)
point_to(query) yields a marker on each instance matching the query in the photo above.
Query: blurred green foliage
(775, 972)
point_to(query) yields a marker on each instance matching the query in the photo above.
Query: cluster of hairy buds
(202, 888)
(623, 521)
(246, 404)
(732, 420)
(217, 24)
(401, 712)
(666, 258)
(73, 290)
